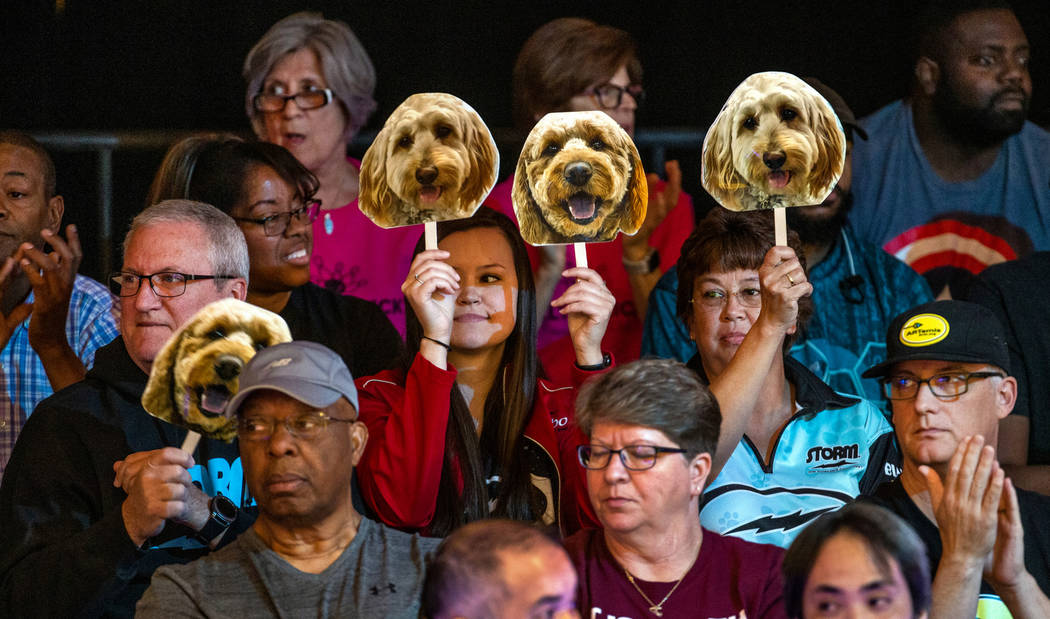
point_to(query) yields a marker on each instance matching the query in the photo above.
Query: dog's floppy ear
(532, 229)
(376, 200)
(718, 174)
(831, 150)
(483, 158)
(638, 200)
(159, 398)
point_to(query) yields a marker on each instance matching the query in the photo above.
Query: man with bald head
(97, 493)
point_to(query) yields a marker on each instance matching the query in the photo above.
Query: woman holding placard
(468, 429)
(310, 86)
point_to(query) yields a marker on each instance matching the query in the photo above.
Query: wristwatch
(223, 513)
(645, 266)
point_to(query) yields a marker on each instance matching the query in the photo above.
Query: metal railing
(653, 145)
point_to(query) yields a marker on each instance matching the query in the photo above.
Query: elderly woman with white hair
(310, 85)
(653, 429)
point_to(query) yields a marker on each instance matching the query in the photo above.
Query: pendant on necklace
(328, 225)
(656, 610)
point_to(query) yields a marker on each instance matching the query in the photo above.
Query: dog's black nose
(578, 173)
(228, 366)
(773, 161)
(426, 175)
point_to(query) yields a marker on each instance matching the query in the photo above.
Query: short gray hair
(344, 62)
(227, 251)
(662, 394)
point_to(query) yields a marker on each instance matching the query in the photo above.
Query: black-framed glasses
(945, 386)
(306, 426)
(276, 224)
(163, 283)
(633, 457)
(610, 96)
(305, 100)
(715, 298)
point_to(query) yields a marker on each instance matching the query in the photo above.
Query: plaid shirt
(91, 323)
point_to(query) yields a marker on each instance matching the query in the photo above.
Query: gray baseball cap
(309, 372)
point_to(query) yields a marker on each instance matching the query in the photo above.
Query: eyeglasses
(164, 283)
(275, 225)
(715, 298)
(945, 386)
(305, 100)
(610, 96)
(306, 426)
(634, 457)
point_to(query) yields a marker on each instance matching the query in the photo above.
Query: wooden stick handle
(581, 254)
(190, 444)
(430, 234)
(780, 227)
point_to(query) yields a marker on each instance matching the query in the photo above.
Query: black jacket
(64, 551)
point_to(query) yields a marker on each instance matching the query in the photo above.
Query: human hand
(10, 321)
(783, 283)
(159, 488)
(52, 277)
(965, 504)
(1006, 568)
(660, 204)
(588, 305)
(431, 287)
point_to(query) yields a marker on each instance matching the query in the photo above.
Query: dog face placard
(776, 143)
(434, 160)
(579, 179)
(198, 371)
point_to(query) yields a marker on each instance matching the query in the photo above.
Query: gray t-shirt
(380, 574)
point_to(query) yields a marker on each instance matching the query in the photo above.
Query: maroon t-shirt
(729, 576)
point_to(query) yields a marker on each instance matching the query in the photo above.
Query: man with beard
(857, 287)
(953, 178)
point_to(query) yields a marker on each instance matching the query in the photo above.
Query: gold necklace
(658, 609)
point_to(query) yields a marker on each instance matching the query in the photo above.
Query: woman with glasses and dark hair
(467, 429)
(573, 64)
(653, 429)
(861, 561)
(271, 197)
(793, 448)
(310, 85)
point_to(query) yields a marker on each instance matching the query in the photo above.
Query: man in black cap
(946, 375)
(309, 552)
(857, 287)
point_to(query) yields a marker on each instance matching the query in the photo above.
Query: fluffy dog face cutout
(433, 160)
(776, 143)
(198, 370)
(579, 179)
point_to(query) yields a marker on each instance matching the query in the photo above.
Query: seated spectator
(1015, 292)
(309, 89)
(97, 493)
(861, 561)
(309, 552)
(857, 288)
(653, 428)
(468, 429)
(954, 179)
(573, 65)
(271, 197)
(500, 569)
(52, 320)
(947, 378)
(801, 449)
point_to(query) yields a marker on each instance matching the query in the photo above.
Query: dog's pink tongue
(581, 206)
(429, 194)
(779, 179)
(214, 400)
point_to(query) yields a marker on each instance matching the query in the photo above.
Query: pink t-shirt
(730, 576)
(354, 256)
(623, 338)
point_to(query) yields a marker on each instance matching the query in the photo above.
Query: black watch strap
(606, 362)
(223, 513)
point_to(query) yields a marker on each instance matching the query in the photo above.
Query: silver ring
(418, 281)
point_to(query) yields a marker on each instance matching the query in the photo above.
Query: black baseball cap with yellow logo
(945, 331)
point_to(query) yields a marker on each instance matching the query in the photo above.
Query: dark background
(175, 65)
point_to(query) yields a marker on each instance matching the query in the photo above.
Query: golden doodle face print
(198, 371)
(776, 143)
(434, 160)
(579, 180)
